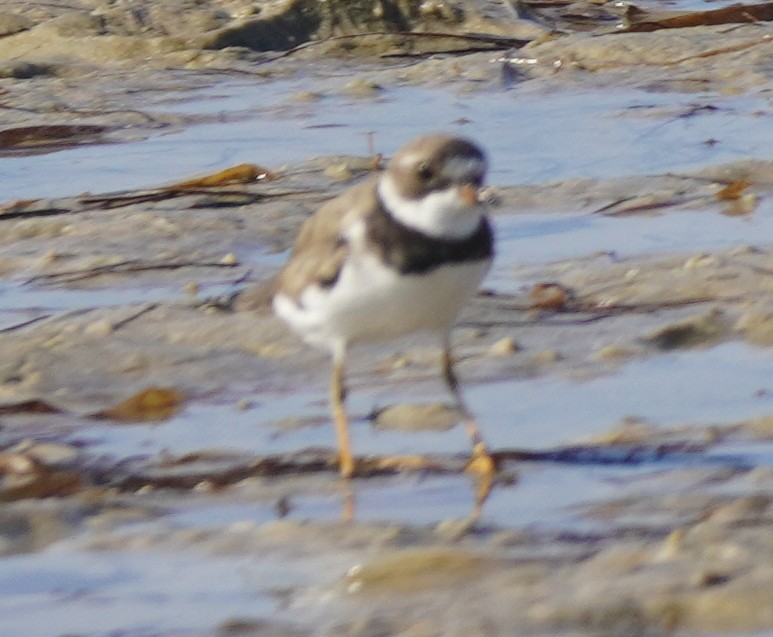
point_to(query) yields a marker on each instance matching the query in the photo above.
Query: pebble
(613, 352)
(504, 347)
(699, 261)
(102, 327)
(48, 453)
(415, 570)
(696, 331)
(307, 96)
(244, 404)
(414, 417)
(672, 547)
(339, 171)
(546, 357)
(191, 288)
(756, 325)
(362, 87)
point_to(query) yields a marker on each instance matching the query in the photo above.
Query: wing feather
(321, 247)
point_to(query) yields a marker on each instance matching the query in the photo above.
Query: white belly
(371, 302)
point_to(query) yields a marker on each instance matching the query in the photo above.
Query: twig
(420, 54)
(18, 326)
(126, 266)
(123, 322)
(119, 200)
(46, 317)
(497, 41)
(663, 305)
(540, 320)
(23, 214)
(596, 313)
(110, 201)
(242, 278)
(116, 326)
(612, 210)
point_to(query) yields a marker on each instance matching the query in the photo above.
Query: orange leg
(340, 419)
(481, 461)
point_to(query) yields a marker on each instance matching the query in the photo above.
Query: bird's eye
(425, 172)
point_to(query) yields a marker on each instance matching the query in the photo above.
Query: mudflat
(166, 458)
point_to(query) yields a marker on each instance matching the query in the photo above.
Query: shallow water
(18, 297)
(525, 239)
(724, 384)
(546, 498)
(61, 591)
(530, 239)
(711, 386)
(531, 137)
(714, 386)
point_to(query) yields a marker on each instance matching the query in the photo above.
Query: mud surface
(166, 459)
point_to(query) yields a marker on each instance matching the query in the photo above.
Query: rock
(27, 70)
(631, 431)
(761, 428)
(75, 24)
(546, 357)
(100, 327)
(416, 417)
(550, 296)
(409, 571)
(11, 23)
(283, 25)
(243, 627)
(23, 477)
(339, 171)
(756, 326)
(742, 510)
(362, 87)
(614, 353)
(699, 261)
(504, 347)
(47, 453)
(698, 331)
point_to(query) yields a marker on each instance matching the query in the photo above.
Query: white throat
(442, 214)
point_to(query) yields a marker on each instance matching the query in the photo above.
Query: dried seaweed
(32, 406)
(51, 136)
(640, 20)
(218, 471)
(492, 42)
(149, 405)
(221, 189)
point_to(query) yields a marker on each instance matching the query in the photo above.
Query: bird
(399, 253)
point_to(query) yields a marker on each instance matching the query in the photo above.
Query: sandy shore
(108, 295)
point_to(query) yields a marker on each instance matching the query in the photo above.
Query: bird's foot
(346, 466)
(483, 468)
(481, 462)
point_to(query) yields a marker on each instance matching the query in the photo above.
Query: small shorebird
(396, 254)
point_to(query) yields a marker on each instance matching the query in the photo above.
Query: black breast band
(410, 251)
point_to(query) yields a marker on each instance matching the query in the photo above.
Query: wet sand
(618, 357)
